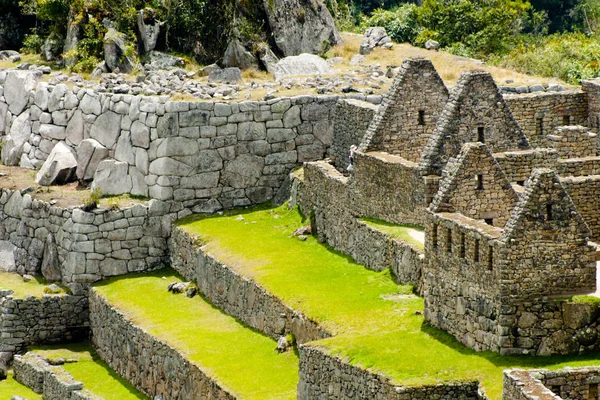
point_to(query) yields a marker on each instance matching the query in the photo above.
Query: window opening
(462, 245)
(521, 183)
(479, 182)
(421, 120)
(489, 221)
(434, 236)
(593, 392)
(449, 241)
(481, 134)
(490, 258)
(539, 126)
(566, 120)
(476, 251)
(549, 216)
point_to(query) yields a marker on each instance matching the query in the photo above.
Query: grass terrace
(10, 387)
(85, 366)
(377, 324)
(22, 289)
(240, 359)
(413, 235)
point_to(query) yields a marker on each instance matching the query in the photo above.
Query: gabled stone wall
(409, 112)
(585, 193)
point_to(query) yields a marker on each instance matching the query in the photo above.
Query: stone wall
(326, 192)
(409, 112)
(351, 121)
(49, 319)
(151, 365)
(573, 141)
(567, 383)
(592, 89)
(236, 295)
(518, 165)
(323, 376)
(579, 166)
(539, 114)
(52, 382)
(82, 247)
(585, 193)
(205, 155)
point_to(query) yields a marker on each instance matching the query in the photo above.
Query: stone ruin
(507, 187)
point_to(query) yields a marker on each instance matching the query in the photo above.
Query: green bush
(571, 57)
(400, 23)
(32, 44)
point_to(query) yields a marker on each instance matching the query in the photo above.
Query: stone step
(178, 347)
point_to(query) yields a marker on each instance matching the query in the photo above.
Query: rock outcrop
(149, 28)
(301, 26)
(304, 64)
(116, 52)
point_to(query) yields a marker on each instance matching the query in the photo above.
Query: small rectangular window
(489, 221)
(555, 389)
(549, 216)
(593, 391)
(566, 120)
(476, 251)
(462, 245)
(434, 235)
(521, 183)
(539, 126)
(421, 119)
(479, 182)
(449, 241)
(481, 134)
(490, 258)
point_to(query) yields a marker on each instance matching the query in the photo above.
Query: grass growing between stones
(22, 289)
(405, 233)
(372, 327)
(10, 387)
(85, 366)
(240, 359)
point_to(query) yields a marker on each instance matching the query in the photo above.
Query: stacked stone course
(568, 383)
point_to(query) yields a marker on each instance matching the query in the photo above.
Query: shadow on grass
(514, 361)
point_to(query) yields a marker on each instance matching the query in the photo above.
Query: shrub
(400, 23)
(32, 44)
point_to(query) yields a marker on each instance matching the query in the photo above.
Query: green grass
(88, 368)
(22, 289)
(240, 359)
(400, 232)
(377, 324)
(10, 387)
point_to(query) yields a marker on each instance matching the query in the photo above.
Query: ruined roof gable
(545, 206)
(417, 78)
(474, 185)
(476, 111)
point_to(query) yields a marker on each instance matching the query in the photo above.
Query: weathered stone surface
(17, 137)
(225, 75)
(48, 131)
(237, 56)
(156, 60)
(89, 154)
(74, 130)
(140, 135)
(300, 27)
(243, 172)
(112, 178)
(59, 168)
(116, 52)
(17, 87)
(51, 269)
(52, 47)
(374, 37)
(432, 45)
(303, 64)
(106, 129)
(7, 255)
(90, 104)
(149, 28)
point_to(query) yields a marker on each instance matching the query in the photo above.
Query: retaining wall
(540, 384)
(49, 319)
(236, 295)
(151, 365)
(323, 376)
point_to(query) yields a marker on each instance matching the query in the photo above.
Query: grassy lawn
(10, 387)
(400, 232)
(85, 366)
(22, 289)
(378, 324)
(240, 359)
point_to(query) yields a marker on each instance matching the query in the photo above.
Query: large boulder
(116, 53)
(112, 178)
(225, 75)
(266, 56)
(52, 47)
(89, 154)
(432, 45)
(7, 255)
(301, 26)
(304, 64)
(17, 87)
(18, 135)
(236, 55)
(156, 60)
(374, 37)
(59, 167)
(149, 28)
